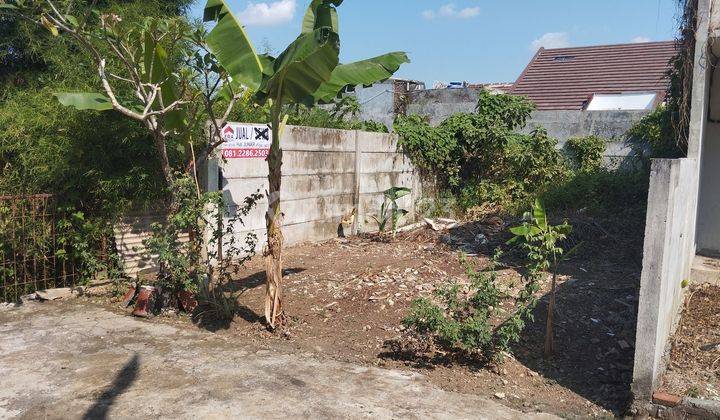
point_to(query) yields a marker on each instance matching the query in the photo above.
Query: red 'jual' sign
(245, 141)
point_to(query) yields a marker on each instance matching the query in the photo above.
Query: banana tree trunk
(273, 222)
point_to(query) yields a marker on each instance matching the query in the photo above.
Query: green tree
(45, 148)
(155, 71)
(307, 72)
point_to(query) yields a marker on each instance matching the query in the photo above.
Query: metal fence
(31, 256)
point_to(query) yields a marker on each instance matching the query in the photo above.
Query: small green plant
(541, 241)
(470, 318)
(78, 238)
(182, 265)
(218, 301)
(389, 210)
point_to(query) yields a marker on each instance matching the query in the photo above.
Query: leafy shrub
(654, 135)
(527, 165)
(181, 264)
(324, 118)
(342, 115)
(618, 194)
(432, 150)
(463, 318)
(79, 240)
(586, 153)
(480, 157)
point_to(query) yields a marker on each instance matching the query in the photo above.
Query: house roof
(566, 78)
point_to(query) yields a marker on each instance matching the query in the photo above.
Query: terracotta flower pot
(145, 301)
(188, 301)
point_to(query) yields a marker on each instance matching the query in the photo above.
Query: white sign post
(246, 141)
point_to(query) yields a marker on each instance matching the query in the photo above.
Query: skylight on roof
(563, 58)
(631, 101)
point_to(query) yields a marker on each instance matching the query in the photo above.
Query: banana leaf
(321, 13)
(365, 72)
(306, 64)
(231, 45)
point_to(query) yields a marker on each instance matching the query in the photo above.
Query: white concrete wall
(708, 230)
(667, 255)
(672, 225)
(325, 174)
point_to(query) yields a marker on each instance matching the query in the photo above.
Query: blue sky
(454, 40)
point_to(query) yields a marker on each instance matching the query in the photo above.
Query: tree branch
(111, 94)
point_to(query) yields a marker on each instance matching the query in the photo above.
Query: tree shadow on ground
(123, 380)
(594, 330)
(255, 280)
(595, 316)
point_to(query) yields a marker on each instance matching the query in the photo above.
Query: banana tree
(389, 210)
(307, 72)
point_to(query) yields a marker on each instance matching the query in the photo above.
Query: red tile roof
(566, 78)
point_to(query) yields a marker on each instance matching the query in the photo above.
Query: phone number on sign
(245, 153)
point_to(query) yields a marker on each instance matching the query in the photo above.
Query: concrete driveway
(72, 359)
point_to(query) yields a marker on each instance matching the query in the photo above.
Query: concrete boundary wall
(667, 255)
(326, 173)
(672, 225)
(439, 104)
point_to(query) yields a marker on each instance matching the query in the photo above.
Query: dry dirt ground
(75, 359)
(346, 299)
(694, 367)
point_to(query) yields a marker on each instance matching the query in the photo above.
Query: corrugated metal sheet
(566, 78)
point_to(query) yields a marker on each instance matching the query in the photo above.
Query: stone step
(705, 270)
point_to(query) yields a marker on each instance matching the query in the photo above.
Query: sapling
(541, 241)
(389, 210)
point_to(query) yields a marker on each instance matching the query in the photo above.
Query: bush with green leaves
(187, 265)
(81, 241)
(480, 156)
(586, 153)
(614, 194)
(655, 136)
(324, 118)
(471, 318)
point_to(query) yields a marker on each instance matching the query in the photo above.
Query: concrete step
(705, 270)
